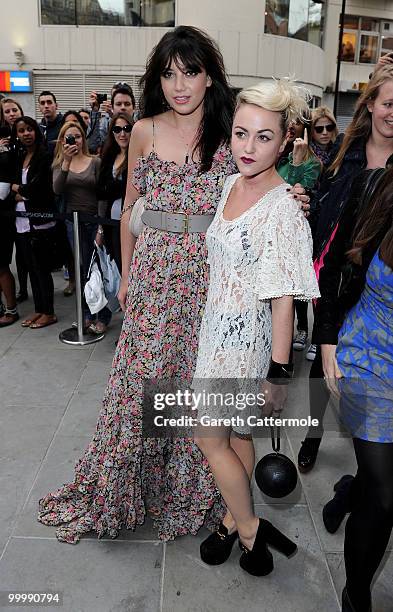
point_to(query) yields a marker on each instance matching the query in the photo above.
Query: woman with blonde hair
(178, 158)
(75, 176)
(324, 132)
(260, 254)
(367, 145)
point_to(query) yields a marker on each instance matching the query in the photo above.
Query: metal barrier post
(72, 335)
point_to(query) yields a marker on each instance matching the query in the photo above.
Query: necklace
(188, 142)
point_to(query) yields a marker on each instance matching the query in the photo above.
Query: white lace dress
(264, 253)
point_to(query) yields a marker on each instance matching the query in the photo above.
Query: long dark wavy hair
(111, 148)
(197, 52)
(38, 141)
(374, 226)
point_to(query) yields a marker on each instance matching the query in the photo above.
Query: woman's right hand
(330, 368)
(69, 151)
(122, 295)
(4, 141)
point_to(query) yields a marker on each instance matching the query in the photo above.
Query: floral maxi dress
(121, 476)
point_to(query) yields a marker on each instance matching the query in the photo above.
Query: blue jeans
(87, 234)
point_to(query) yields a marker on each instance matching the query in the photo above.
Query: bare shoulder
(142, 129)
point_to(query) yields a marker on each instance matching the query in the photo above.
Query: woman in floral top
(179, 159)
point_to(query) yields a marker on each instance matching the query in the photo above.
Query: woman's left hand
(275, 398)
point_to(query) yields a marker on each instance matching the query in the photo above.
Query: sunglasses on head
(329, 128)
(122, 128)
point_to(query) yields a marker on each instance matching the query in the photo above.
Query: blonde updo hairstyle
(281, 96)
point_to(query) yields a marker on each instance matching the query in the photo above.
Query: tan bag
(135, 223)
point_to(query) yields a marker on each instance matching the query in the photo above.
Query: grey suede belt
(179, 223)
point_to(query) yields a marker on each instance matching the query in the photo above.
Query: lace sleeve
(284, 266)
(139, 175)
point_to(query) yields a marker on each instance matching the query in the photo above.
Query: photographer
(10, 110)
(122, 100)
(75, 176)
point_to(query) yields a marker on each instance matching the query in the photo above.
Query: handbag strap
(275, 441)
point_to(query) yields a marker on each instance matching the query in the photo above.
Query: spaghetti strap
(153, 146)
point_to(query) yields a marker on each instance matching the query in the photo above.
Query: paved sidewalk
(50, 397)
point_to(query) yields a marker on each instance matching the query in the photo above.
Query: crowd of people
(55, 167)
(252, 207)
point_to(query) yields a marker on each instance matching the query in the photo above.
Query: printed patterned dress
(122, 476)
(365, 358)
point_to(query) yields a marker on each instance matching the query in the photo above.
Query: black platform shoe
(334, 511)
(259, 560)
(308, 454)
(347, 604)
(218, 546)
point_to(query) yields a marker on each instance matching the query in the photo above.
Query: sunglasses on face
(320, 128)
(118, 128)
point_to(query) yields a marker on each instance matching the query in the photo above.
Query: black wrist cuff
(280, 373)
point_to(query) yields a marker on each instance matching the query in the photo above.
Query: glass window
(369, 25)
(368, 49)
(315, 23)
(59, 12)
(276, 17)
(298, 19)
(348, 47)
(387, 45)
(100, 12)
(158, 13)
(108, 12)
(351, 22)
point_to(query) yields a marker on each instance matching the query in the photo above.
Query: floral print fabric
(121, 476)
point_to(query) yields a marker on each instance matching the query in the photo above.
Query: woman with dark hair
(362, 257)
(74, 117)
(178, 159)
(367, 144)
(35, 237)
(300, 164)
(112, 183)
(10, 110)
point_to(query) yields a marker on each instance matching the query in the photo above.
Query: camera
(101, 98)
(70, 139)
(5, 131)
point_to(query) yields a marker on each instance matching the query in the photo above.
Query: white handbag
(135, 223)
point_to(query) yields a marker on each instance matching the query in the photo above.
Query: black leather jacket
(341, 281)
(328, 204)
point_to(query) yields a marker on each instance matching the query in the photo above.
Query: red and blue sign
(15, 81)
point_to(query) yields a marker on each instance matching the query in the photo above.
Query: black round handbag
(275, 473)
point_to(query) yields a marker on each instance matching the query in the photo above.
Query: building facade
(74, 46)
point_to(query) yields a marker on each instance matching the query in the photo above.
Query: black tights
(318, 394)
(370, 523)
